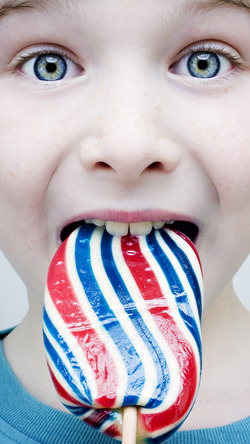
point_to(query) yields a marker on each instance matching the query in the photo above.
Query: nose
(132, 137)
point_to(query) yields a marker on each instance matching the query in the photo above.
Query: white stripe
(75, 348)
(138, 343)
(87, 414)
(110, 422)
(188, 250)
(184, 246)
(170, 297)
(96, 324)
(173, 366)
(64, 359)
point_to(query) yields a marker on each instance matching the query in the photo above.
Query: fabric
(25, 420)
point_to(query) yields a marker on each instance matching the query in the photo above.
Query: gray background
(14, 305)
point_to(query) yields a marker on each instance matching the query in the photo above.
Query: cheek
(221, 142)
(29, 151)
(26, 166)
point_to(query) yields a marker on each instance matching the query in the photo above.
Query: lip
(128, 217)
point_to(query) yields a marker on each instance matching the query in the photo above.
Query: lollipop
(122, 328)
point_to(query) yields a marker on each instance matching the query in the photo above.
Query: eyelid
(219, 48)
(35, 51)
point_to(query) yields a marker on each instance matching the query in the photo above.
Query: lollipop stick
(129, 425)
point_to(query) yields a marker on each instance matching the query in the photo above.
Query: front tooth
(99, 223)
(117, 228)
(141, 228)
(159, 224)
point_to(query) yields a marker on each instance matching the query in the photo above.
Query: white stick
(129, 425)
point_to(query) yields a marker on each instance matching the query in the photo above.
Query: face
(125, 111)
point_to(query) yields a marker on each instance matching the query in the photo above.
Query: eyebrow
(8, 7)
(243, 5)
(238, 3)
(11, 6)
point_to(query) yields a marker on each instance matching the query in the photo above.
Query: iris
(203, 65)
(50, 67)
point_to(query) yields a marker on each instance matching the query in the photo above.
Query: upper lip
(127, 217)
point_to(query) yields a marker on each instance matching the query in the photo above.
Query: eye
(50, 67)
(202, 65)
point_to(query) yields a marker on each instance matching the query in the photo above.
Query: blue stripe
(108, 320)
(187, 268)
(101, 419)
(77, 410)
(174, 282)
(59, 364)
(128, 303)
(106, 315)
(163, 438)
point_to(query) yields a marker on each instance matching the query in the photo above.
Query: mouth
(189, 229)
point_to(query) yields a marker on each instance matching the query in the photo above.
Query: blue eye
(203, 65)
(50, 67)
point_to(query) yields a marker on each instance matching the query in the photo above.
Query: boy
(127, 112)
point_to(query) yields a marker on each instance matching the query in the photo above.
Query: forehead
(15, 6)
(151, 22)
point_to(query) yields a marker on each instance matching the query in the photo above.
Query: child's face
(127, 131)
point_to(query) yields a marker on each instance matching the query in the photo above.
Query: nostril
(156, 166)
(125, 170)
(102, 165)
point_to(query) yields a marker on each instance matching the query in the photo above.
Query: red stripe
(61, 391)
(65, 301)
(97, 417)
(190, 243)
(112, 431)
(150, 290)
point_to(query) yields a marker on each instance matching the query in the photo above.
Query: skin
(159, 143)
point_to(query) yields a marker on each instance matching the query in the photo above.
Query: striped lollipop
(122, 327)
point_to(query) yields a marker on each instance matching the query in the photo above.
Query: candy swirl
(122, 327)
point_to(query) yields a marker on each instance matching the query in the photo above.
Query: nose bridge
(129, 118)
(129, 138)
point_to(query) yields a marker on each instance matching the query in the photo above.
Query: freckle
(225, 90)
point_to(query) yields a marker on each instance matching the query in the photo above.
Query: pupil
(202, 64)
(51, 67)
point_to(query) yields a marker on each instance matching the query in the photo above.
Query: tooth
(141, 228)
(117, 228)
(169, 222)
(99, 223)
(159, 224)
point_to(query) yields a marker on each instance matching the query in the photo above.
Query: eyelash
(213, 48)
(30, 54)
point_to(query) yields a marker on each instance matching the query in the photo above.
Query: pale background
(14, 305)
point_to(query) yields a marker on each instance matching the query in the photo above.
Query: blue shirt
(25, 420)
